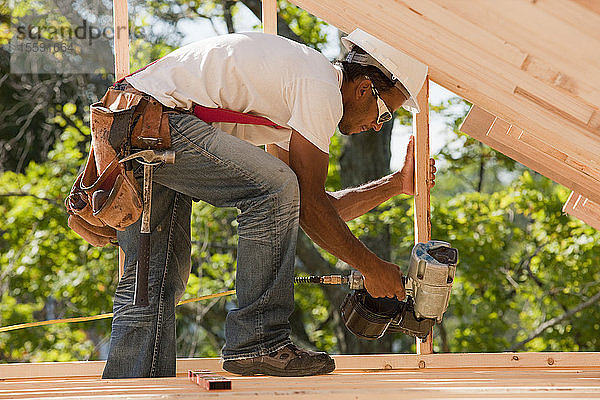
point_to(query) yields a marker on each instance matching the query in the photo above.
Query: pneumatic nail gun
(428, 283)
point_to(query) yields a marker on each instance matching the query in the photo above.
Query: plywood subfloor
(556, 375)
(530, 383)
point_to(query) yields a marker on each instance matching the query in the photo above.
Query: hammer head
(152, 156)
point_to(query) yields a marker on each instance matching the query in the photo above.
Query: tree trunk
(227, 6)
(481, 168)
(366, 157)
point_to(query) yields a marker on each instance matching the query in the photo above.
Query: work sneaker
(290, 360)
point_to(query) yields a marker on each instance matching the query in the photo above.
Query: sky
(245, 20)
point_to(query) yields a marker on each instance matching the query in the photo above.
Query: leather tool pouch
(101, 204)
(105, 196)
(151, 129)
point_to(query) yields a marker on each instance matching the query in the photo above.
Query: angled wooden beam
(530, 151)
(583, 208)
(121, 44)
(591, 5)
(421, 200)
(520, 75)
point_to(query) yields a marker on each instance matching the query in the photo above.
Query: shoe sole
(268, 370)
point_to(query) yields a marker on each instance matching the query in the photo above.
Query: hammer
(149, 158)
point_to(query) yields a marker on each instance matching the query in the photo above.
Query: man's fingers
(410, 150)
(432, 171)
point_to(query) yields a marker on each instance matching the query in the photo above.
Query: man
(298, 89)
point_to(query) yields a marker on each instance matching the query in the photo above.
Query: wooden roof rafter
(534, 64)
(548, 161)
(583, 208)
(530, 151)
(469, 56)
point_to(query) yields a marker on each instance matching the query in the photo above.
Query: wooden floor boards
(425, 384)
(436, 376)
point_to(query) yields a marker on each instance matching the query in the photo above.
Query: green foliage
(469, 165)
(47, 271)
(307, 27)
(522, 262)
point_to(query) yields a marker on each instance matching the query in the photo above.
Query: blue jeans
(222, 170)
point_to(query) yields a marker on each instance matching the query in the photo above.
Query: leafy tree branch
(557, 320)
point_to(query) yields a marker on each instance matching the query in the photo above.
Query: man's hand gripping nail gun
(427, 283)
(385, 280)
(425, 289)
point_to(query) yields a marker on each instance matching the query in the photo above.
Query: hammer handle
(141, 273)
(143, 264)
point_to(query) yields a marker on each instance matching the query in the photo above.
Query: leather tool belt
(105, 196)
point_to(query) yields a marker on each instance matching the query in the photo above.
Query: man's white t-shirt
(291, 84)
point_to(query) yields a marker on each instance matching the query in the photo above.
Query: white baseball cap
(408, 73)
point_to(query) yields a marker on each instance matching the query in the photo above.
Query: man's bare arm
(320, 220)
(354, 202)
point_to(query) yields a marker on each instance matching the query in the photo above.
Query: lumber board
(483, 54)
(493, 47)
(525, 24)
(468, 361)
(121, 45)
(422, 384)
(529, 151)
(344, 363)
(422, 199)
(584, 209)
(486, 56)
(499, 129)
(489, 43)
(121, 38)
(269, 16)
(462, 68)
(422, 203)
(575, 14)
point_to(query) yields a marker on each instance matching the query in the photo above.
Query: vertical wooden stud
(269, 16)
(121, 38)
(422, 205)
(121, 44)
(269, 20)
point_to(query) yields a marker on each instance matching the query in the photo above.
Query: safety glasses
(384, 114)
